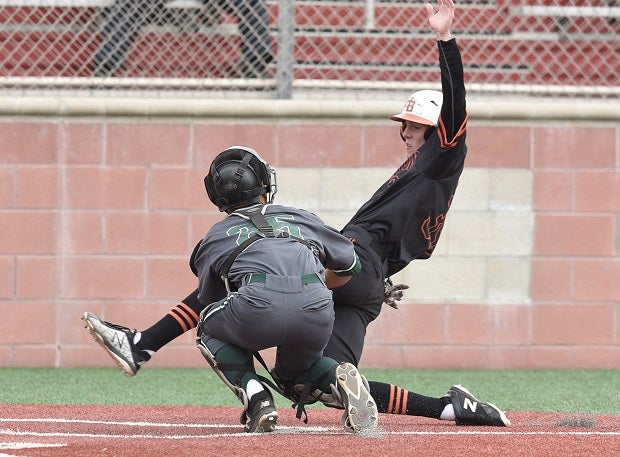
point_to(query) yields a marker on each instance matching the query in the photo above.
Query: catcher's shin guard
(245, 419)
(210, 358)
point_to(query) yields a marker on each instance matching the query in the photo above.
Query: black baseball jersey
(406, 214)
(404, 218)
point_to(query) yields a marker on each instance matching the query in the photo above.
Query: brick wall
(99, 210)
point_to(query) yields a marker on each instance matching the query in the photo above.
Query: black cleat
(261, 415)
(471, 411)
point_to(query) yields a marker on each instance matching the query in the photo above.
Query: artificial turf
(579, 391)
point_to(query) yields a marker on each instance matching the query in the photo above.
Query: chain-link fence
(264, 47)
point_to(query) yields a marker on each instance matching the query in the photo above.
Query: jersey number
(279, 223)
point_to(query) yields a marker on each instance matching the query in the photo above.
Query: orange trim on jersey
(441, 131)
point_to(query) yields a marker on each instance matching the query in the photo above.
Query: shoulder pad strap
(233, 255)
(255, 215)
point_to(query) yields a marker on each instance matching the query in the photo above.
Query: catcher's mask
(237, 177)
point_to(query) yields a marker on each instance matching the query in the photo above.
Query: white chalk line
(14, 446)
(124, 423)
(24, 445)
(312, 430)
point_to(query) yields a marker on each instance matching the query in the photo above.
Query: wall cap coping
(82, 106)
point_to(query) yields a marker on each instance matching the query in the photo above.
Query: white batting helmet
(423, 107)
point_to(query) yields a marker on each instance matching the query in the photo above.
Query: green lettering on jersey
(279, 223)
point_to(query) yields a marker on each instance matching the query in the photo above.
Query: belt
(262, 277)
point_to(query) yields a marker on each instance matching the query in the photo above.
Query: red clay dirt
(120, 431)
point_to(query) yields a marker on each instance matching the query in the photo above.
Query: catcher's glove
(393, 293)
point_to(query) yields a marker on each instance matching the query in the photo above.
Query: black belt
(262, 277)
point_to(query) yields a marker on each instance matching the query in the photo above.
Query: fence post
(369, 11)
(286, 49)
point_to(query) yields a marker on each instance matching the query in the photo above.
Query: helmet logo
(409, 105)
(230, 186)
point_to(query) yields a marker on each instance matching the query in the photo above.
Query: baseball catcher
(276, 263)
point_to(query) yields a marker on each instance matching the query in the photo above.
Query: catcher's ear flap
(210, 184)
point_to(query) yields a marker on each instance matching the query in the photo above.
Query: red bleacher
(332, 41)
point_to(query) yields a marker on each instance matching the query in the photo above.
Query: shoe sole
(122, 365)
(266, 424)
(360, 408)
(501, 413)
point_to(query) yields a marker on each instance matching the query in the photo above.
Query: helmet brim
(411, 118)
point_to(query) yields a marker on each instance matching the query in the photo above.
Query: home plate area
(171, 431)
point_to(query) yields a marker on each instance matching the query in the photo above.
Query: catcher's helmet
(239, 176)
(423, 107)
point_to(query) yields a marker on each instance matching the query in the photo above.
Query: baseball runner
(401, 222)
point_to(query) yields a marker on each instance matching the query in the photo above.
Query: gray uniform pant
(295, 318)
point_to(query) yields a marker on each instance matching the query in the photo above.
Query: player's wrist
(444, 36)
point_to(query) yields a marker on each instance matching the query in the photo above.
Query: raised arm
(453, 112)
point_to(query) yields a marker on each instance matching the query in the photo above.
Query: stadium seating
(334, 40)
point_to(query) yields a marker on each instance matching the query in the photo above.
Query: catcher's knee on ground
(317, 384)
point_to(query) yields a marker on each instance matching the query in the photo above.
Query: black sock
(179, 320)
(392, 399)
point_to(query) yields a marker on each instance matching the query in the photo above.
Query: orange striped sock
(185, 316)
(176, 322)
(392, 399)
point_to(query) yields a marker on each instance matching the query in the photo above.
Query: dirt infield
(72, 430)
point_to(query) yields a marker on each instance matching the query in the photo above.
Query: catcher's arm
(332, 280)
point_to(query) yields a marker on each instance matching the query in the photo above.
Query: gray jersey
(283, 256)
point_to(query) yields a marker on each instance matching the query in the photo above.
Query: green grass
(583, 391)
